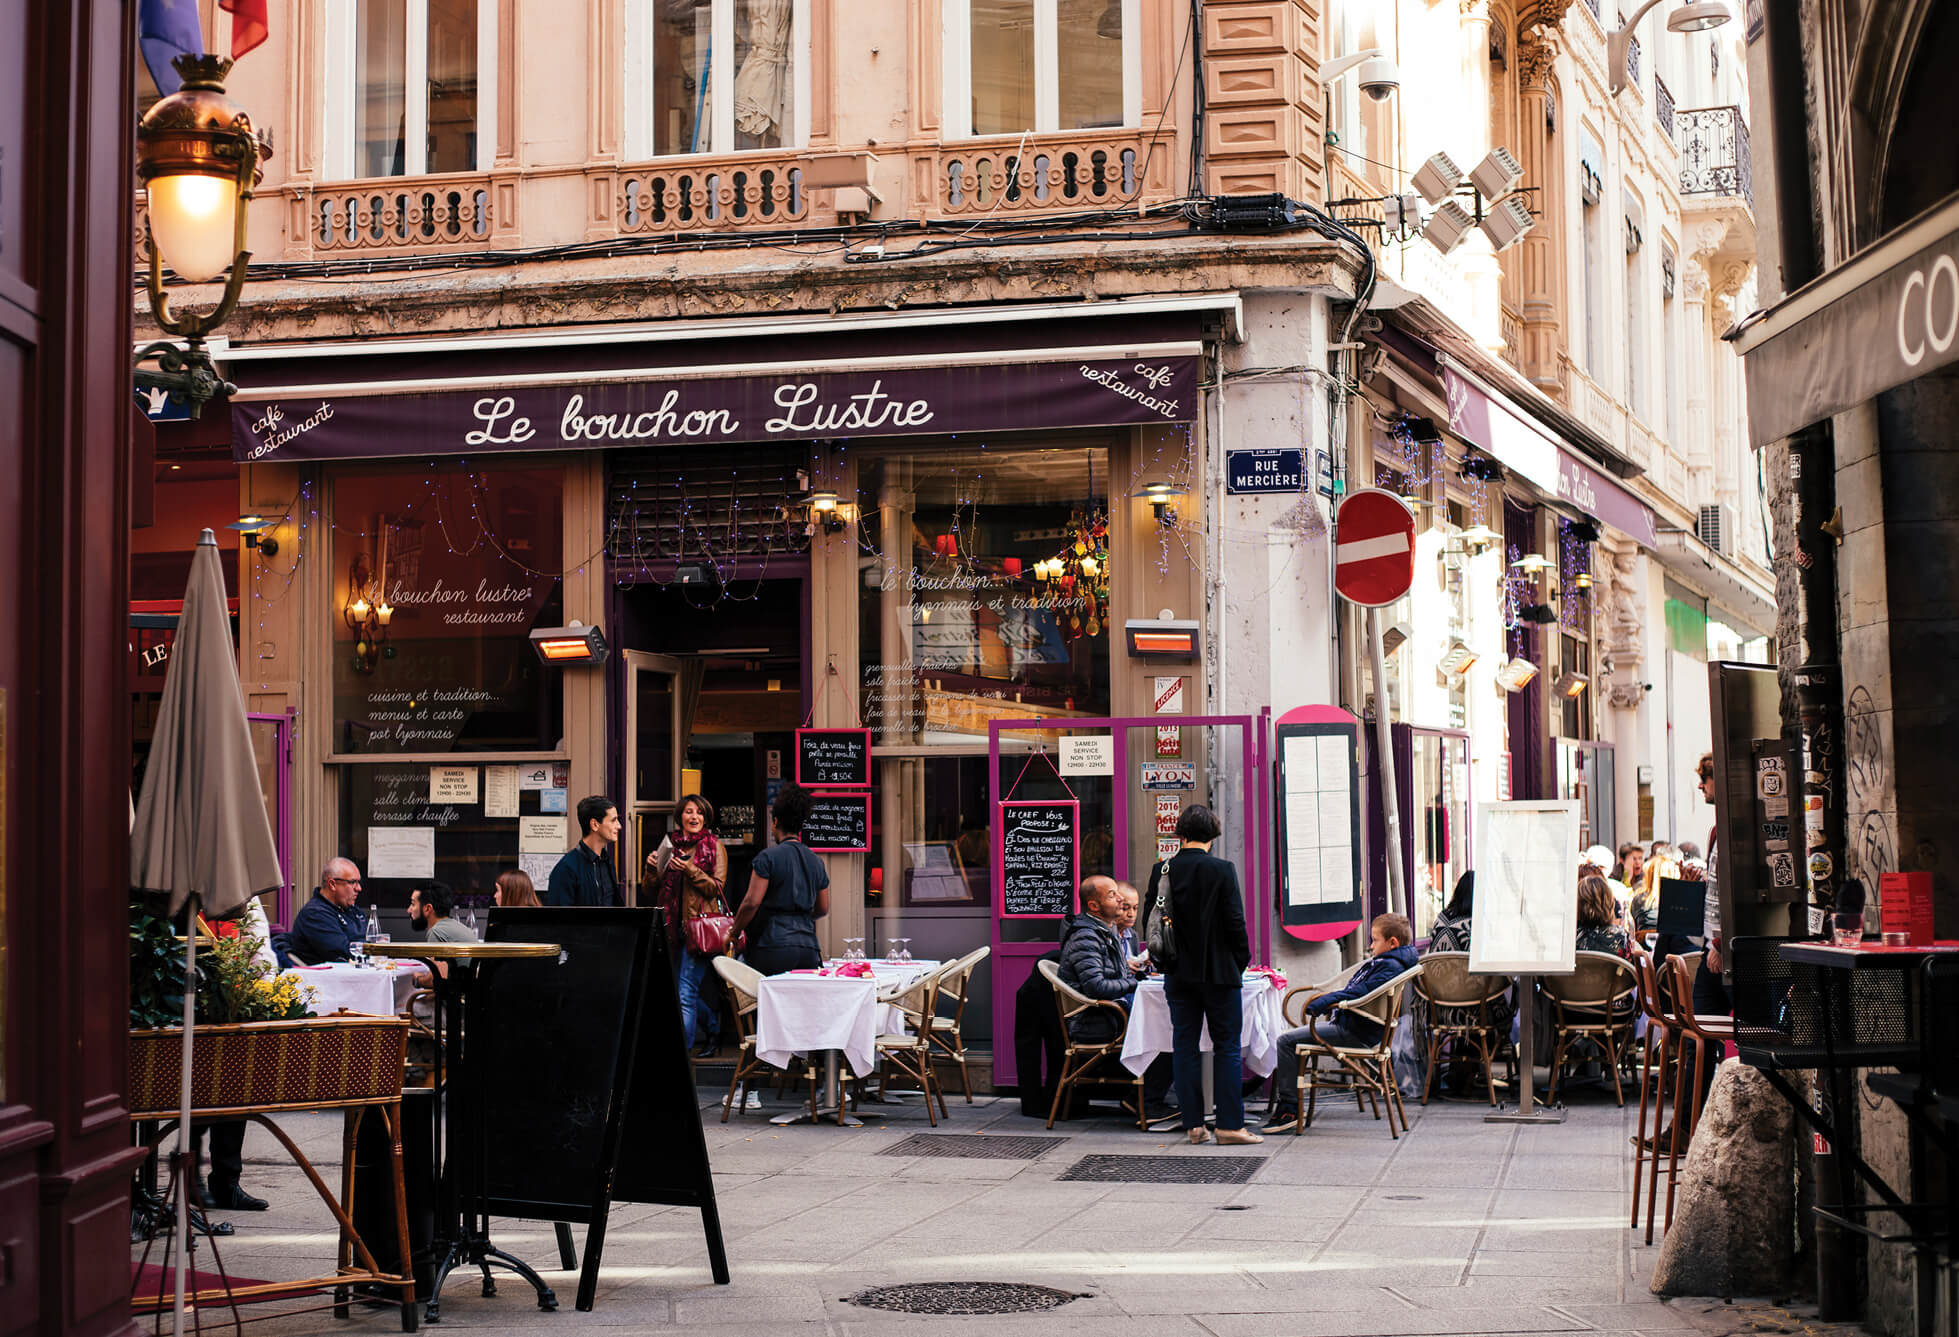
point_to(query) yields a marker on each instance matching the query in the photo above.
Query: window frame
(956, 71)
(340, 112)
(636, 138)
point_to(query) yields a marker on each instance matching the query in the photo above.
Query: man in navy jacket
(325, 925)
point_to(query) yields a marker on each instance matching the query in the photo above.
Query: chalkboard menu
(839, 822)
(833, 758)
(1038, 852)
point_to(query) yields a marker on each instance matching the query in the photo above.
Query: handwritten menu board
(833, 758)
(1038, 852)
(839, 822)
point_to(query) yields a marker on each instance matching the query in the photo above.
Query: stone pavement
(1461, 1227)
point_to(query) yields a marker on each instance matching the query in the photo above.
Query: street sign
(1374, 548)
(1254, 471)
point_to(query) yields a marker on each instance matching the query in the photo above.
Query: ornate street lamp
(198, 157)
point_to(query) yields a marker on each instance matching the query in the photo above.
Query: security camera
(1379, 77)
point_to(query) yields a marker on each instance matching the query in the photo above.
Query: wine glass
(853, 949)
(904, 949)
(891, 952)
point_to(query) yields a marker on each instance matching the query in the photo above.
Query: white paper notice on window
(452, 784)
(538, 868)
(542, 835)
(500, 791)
(401, 851)
(534, 776)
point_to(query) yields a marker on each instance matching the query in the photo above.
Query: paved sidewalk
(1461, 1227)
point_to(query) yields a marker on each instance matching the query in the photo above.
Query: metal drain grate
(1165, 1169)
(973, 1146)
(963, 1297)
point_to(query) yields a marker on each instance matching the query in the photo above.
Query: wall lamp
(1697, 16)
(1162, 499)
(1531, 563)
(828, 510)
(198, 158)
(255, 527)
(1477, 540)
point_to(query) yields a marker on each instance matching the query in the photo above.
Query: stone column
(1541, 251)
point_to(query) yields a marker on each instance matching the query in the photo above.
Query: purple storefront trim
(678, 410)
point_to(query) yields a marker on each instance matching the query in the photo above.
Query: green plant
(156, 966)
(240, 987)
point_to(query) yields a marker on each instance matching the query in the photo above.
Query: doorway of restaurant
(710, 688)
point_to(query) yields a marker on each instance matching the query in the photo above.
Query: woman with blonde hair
(1646, 901)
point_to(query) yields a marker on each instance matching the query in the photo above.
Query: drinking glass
(357, 953)
(853, 949)
(904, 949)
(1849, 929)
(891, 952)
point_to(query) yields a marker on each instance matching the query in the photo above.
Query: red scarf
(705, 851)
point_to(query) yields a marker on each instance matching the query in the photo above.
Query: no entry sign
(1374, 547)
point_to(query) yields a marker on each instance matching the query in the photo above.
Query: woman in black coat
(1204, 985)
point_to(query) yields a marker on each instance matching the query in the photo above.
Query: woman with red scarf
(690, 869)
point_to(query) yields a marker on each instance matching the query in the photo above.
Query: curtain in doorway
(762, 82)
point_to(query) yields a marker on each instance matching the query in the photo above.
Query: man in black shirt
(585, 875)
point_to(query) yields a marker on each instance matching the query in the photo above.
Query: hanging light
(1531, 563)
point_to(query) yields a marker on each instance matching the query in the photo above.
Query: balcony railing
(396, 215)
(1663, 106)
(1714, 153)
(1043, 173)
(1632, 63)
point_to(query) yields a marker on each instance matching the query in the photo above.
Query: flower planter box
(312, 1063)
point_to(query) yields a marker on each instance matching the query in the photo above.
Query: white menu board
(1526, 889)
(1321, 861)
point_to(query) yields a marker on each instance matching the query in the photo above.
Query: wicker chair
(1460, 1007)
(1594, 1003)
(1367, 1071)
(1081, 1058)
(910, 1051)
(744, 991)
(948, 1034)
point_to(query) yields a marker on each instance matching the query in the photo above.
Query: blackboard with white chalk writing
(1037, 848)
(839, 822)
(833, 758)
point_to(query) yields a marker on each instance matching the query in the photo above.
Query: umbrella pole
(185, 1173)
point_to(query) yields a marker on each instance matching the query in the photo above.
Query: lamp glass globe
(193, 221)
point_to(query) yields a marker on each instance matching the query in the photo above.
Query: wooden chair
(1459, 1007)
(1702, 1034)
(910, 1051)
(744, 992)
(948, 1034)
(1081, 1058)
(1662, 1047)
(1366, 1070)
(1594, 1003)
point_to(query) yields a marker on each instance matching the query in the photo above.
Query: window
(1346, 125)
(1590, 190)
(1638, 393)
(1014, 66)
(1676, 372)
(410, 88)
(715, 76)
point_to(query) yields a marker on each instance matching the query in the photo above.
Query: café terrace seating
(1084, 1061)
(1367, 1071)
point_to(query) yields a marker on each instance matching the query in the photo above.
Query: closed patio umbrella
(201, 834)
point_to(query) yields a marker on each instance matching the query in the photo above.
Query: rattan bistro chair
(1081, 1059)
(744, 992)
(1460, 1008)
(910, 1051)
(1367, 1071)
(948, 1034)
(1594, 1003)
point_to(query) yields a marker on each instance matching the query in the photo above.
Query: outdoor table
(462, 1221)
(341, 985)
(890, 1020)
(806, 1013)
(1149, 1031)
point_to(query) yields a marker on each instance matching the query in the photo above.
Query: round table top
(463, 951)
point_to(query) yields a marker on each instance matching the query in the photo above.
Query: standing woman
(1204, 984)
(692, 870)
(788, 891)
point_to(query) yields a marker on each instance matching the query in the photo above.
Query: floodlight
(1437, 178)
(1497, 175)
(1506, 224)
(1447, 226)
(1516, 675)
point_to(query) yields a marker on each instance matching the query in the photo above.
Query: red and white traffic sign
(1373, 547)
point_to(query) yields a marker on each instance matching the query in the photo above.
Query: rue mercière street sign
(1256, 471)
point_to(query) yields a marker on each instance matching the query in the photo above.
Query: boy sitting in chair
(1389, 953)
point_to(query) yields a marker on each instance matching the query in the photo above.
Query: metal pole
(1527, 1110)
(1399, 896)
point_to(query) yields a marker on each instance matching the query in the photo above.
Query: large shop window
(1005, 62)
(409, 87)
(439, 578)
(985, 590)
(714, 76)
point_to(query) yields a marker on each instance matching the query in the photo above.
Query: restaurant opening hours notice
(1039, 856)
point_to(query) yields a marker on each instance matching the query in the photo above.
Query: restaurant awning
(1485, 417)
(681, 383)
(1888, 315)
(1748, 601)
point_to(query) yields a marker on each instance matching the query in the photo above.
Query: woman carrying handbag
(691, 870)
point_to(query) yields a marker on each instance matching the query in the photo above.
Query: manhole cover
(973, 1146)
(963, 1297)
(1165, 1169)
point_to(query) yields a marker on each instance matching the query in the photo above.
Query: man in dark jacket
(1092, 960)
(1389, 953)
(325, 925)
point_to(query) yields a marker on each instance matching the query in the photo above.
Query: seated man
(1389, 953)
(330, 921)
(1095, 962)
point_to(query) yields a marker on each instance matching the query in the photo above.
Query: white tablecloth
(1149, 1026)
(798, 1014)
(891, 1021)
(356, 988)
